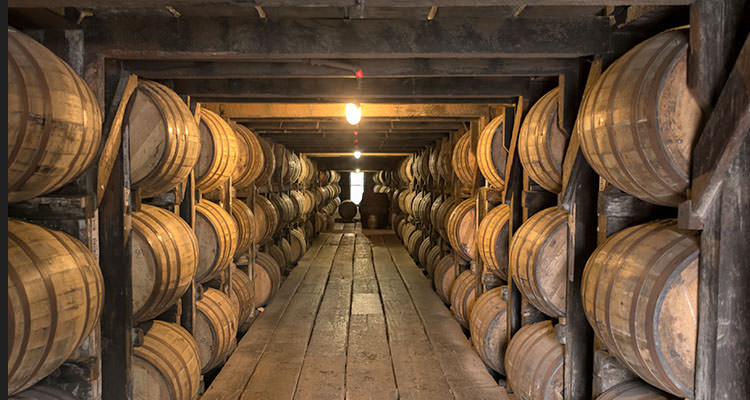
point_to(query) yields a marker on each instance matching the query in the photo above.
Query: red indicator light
(356, 140)
(359, 74)
(356, 133)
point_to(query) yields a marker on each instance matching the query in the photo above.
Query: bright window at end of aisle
(357, 186)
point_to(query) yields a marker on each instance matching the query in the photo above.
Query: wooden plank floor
(356, 319)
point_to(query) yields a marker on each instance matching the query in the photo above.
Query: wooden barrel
(433, 255)
(492, 153)
(444, 162)
(464, 162)
(639, 122)
(300, 202)
(460, 228)
(298, 245)
(164, 258)
(463, 296)
(266, 278)
(217, 237)
(433, 161)
(266, 219)
(167, 365)
(250, 159)
(55, 297)
(348, 210)
(218, 156)
(534, 363)
(269, 162)
(376, 204)
(442, 214)
(242, 296)
(309, 202)
(492, 238)
(640, 293)
(539, 260)
(424, 248)
(488, 326)
(283, 206)
(245, 220)
(286, 249)
(278, 255)
(165, 141)
(406, 233)
(43, 392)
(541, 143)
(397, 222)
(415, 240)
(445, 273)
(54, 120)
(215, 327)
(633, 390)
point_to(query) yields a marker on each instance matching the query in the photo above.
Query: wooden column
(580, 200)
(512, 196)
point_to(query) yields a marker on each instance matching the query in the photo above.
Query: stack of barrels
(327, 199)
(639, 287)
(55, 286)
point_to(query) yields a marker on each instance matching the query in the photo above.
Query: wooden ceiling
(284, 68)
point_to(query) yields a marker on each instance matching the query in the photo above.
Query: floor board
(355, 320)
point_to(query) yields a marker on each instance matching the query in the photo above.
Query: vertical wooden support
(512, 196)
(187, 213)
(580, 200)
(117, 315)
(480, 204)
(719, 200)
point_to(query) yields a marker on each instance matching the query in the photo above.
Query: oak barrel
(464, 162)
(55, 298)
(218, 156)
(164, 254)
(634, 390)
(433, 256)
(488, 326)
(167, 365)
(266, 219)
(245, 219)
(462, 297)
(347, 210)
(424, 248)
(640, 294)
(539, 260)
(638, 124)
(415, 240)
(242, 296)
(444, 161)
(406, 233)
(266, 278)
(298, 245)
(54, 120)
(274, 250)
(217, 237)
(492, 238)
(250, 159)
(269, 162)
(460, 228)
(442, 214)
(215, 327)
(445, 273)
(541, 143)
(491, 152)
(534, 363)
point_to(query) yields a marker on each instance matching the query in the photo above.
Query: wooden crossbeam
(372, 68)
(337, 3)
(158, 37)
(339, 88)
(237, 111)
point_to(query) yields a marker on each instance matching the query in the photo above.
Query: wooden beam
(333, 154)
(719, 142)
(336, 3)
(372, 68)
(351, 90)
(157, 37)
(333, 110)
(371, 100)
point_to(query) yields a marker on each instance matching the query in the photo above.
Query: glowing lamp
(357, 154)
(353, 113)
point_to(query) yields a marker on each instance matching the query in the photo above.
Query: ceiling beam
(336, 3)
(352, 90)
(240, 111)
(505, 101)
(335, 154)
(293, 126)
(416, 68)
(209, 38)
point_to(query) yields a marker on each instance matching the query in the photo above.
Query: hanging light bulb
(353, 113)
(357, 170)
(357, 154)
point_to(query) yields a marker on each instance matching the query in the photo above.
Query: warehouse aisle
(356, 319)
